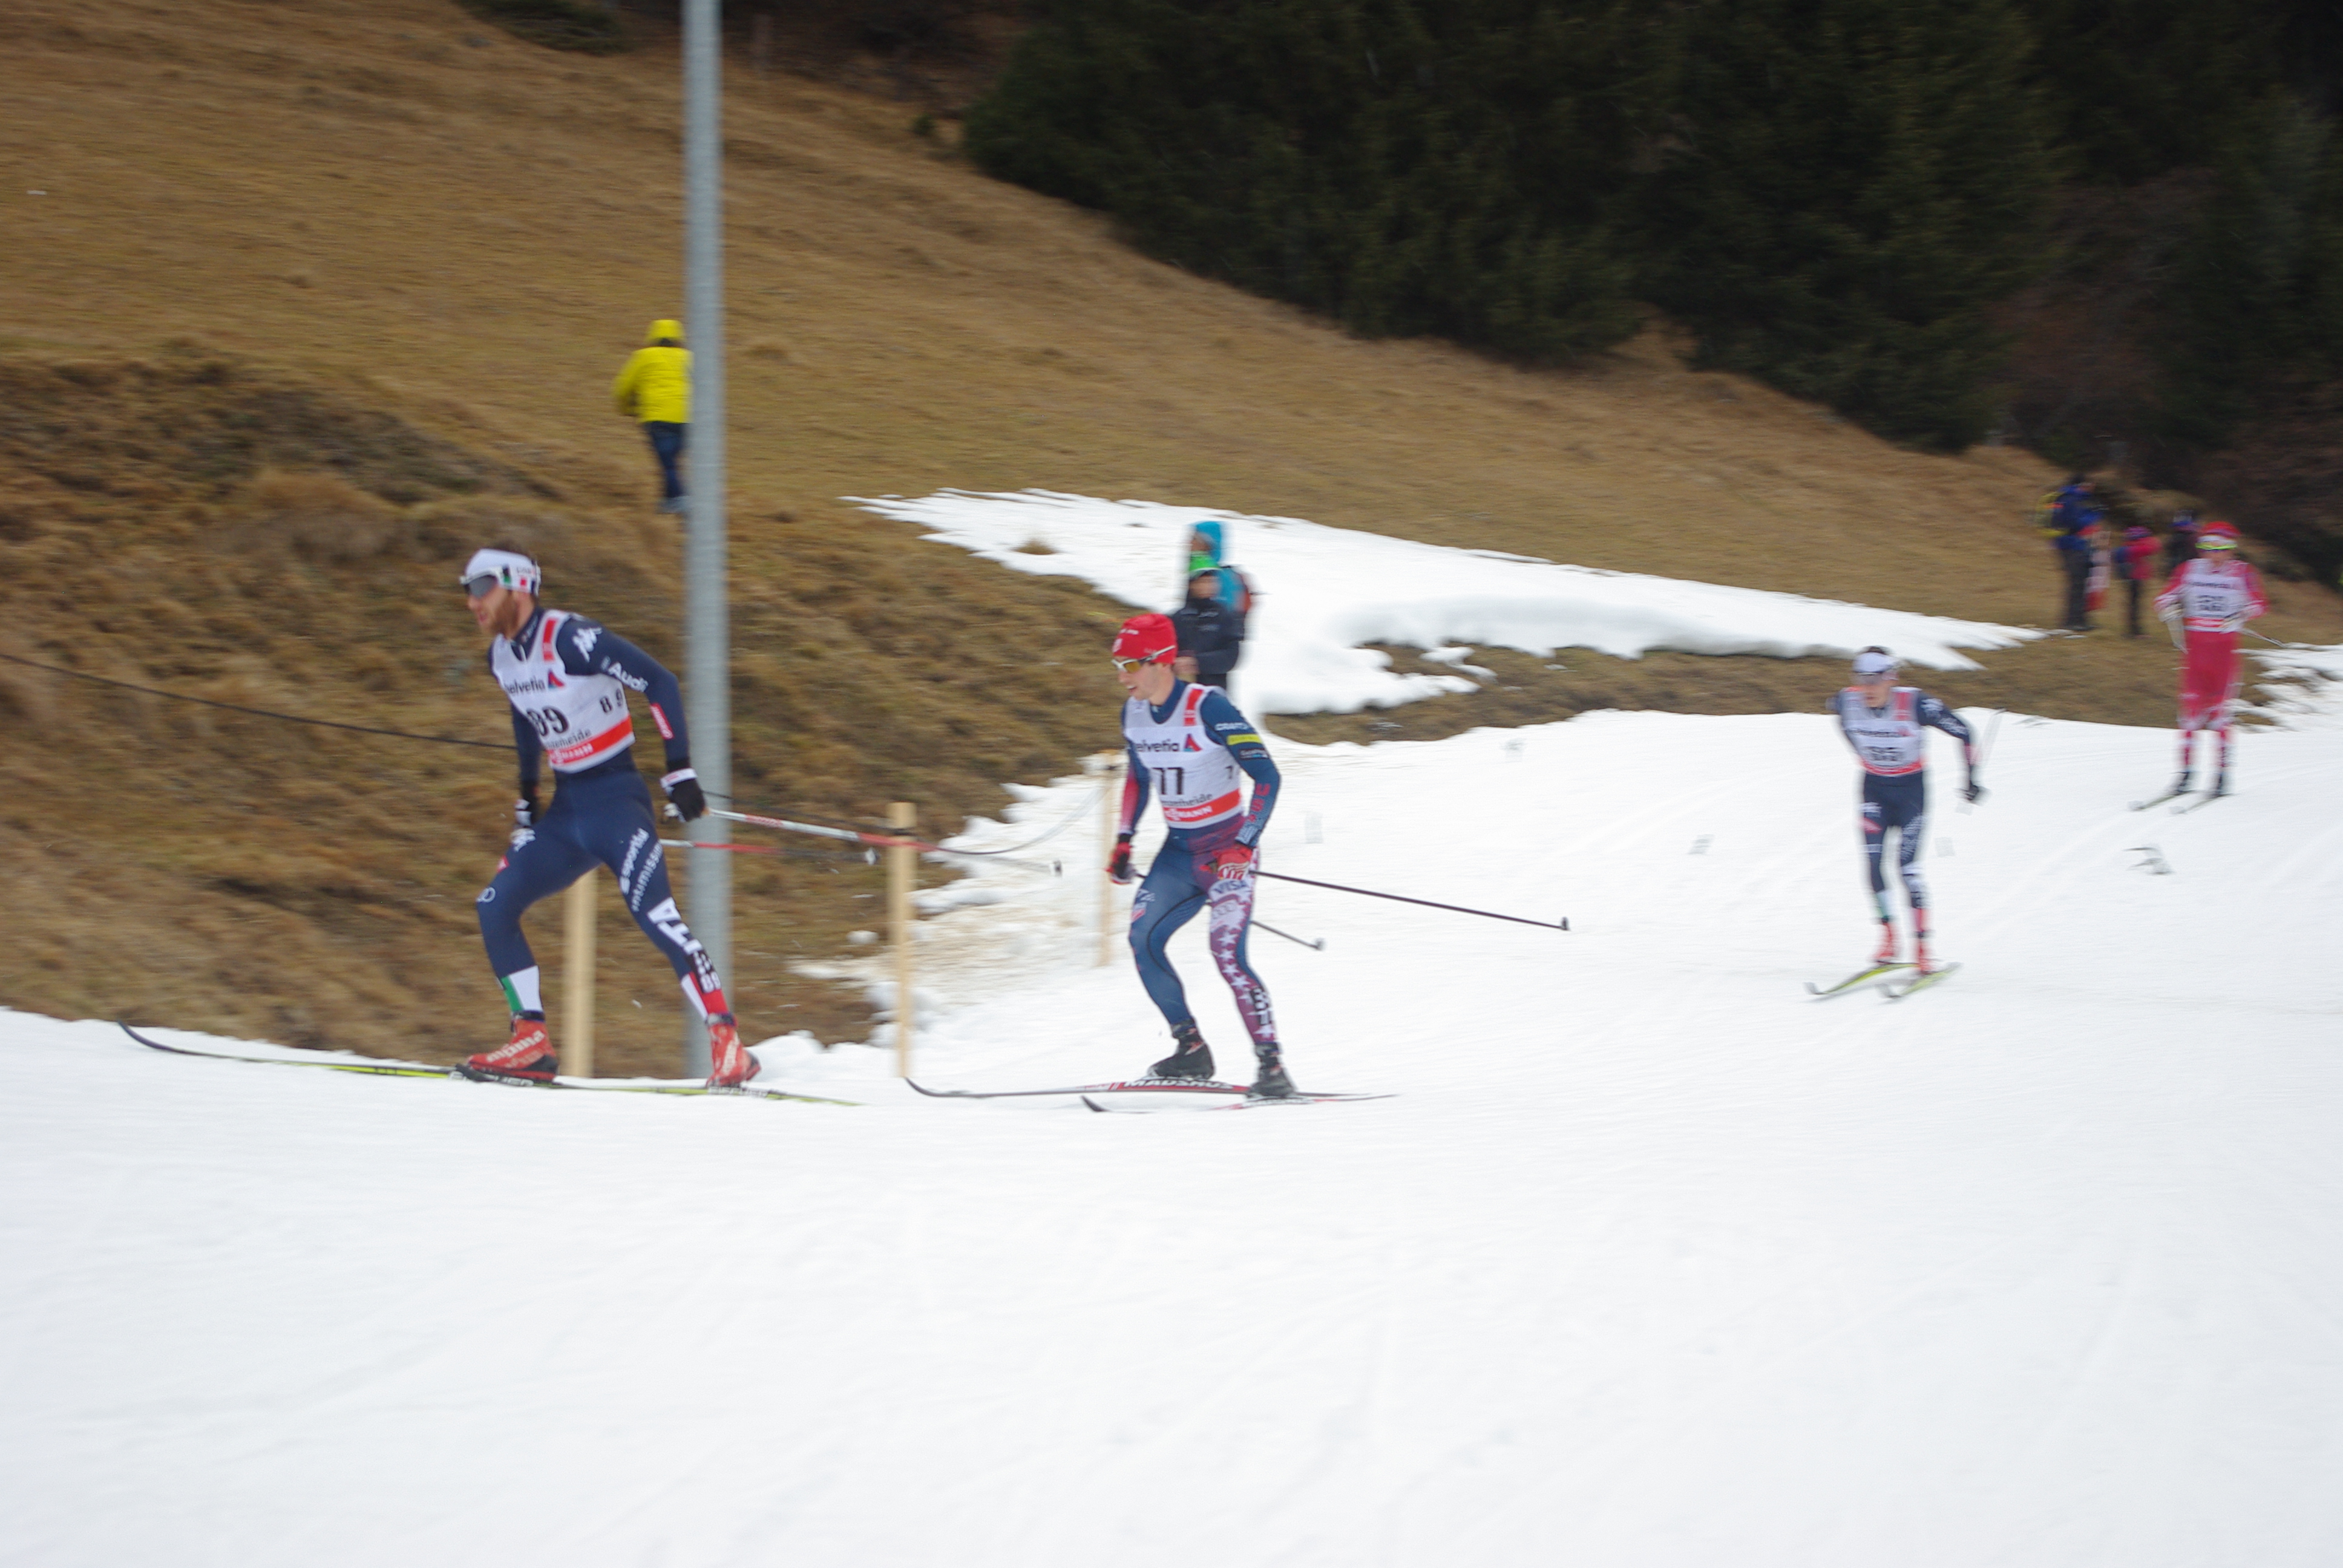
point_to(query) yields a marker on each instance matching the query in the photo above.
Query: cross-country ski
(416, 1069)
(1247, 1102)
(1921, 982)
(1861, 978)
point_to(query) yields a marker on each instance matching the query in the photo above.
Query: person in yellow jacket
(656, 388)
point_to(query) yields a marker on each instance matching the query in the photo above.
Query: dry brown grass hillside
(390, 246)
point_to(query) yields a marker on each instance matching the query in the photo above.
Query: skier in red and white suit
(2213, 597)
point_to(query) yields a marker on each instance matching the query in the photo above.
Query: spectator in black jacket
(1212, 633)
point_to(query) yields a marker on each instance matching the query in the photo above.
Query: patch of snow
(1323, 591)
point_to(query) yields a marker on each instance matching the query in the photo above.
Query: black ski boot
(1269, 1079)
(2180, 785)
(1190, 1058)
(2220, 783)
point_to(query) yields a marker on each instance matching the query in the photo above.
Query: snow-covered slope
(1651, 1262)
(1324, 591)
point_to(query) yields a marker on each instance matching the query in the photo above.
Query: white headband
(510, 568)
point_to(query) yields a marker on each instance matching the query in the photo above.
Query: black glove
(525, 808)
(1118, 865)
(1972, 792)
(683, 787)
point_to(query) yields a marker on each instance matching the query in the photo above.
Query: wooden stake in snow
(577, 979)
(1110, 808)
(901, 860)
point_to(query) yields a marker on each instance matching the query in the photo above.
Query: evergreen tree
(2257, 296)
(1862, 180)
(2136, 88)
(1449, 166)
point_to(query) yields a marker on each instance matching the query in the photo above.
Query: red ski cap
(2216, 537)
(1146, 639)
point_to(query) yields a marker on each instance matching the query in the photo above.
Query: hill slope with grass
(303, 301)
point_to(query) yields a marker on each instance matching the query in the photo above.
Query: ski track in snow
(1653, 1261)
(1323, 591)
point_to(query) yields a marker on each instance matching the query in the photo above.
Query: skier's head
(1204, 585)
(2216, 537)
(1143, 652)
(500, 585)
(1875, 669)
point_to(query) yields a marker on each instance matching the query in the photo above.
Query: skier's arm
(1837, 708)
(527, 747)
(2167, 603)
(586, 648)
(1135, 782)
(1134, 801)
(1933, 711)
(1235, 731)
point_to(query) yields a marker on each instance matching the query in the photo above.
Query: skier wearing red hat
(2212, 597)
(1189, 745)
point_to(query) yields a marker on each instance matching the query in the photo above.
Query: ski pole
(1427, 903)
(1318, 946)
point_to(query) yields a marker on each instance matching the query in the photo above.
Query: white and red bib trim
(580, 719)
(1196, 777)
(1890, 741)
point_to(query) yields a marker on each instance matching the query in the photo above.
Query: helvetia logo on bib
(1193, 745)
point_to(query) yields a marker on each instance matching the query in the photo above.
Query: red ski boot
(1920, 960)
(1887, 954)
(730, 1063)
(527, 1057)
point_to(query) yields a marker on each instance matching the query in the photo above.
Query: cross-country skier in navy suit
(567, 680)
(1190, 746)
(1887, 725)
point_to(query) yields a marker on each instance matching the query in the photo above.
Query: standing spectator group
(1216, 598)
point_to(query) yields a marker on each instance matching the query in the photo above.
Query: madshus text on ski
(1196, 756)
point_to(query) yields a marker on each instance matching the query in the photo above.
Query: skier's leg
(2233, 684)
(623, 835)
(1167, 900)
(1232, 901)
(543, 861)
(618, 827)
(1875, 845)
(1907, 810)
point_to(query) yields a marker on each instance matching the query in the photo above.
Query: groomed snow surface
(1652, 1261)
(1324, 591)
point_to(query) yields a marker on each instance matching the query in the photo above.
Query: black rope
(262, 712)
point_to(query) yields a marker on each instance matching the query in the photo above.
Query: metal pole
(902, 862)
(706, 630)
